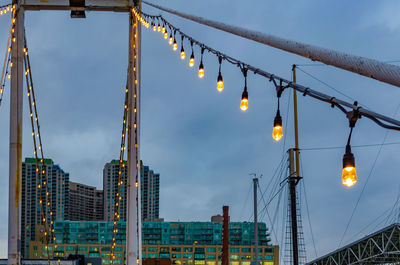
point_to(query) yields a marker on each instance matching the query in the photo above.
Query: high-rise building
(110, 188)
(150, 187)
(87, 203)
(32, 199)
(150, 190)
(185, 243)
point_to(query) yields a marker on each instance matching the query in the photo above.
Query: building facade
(32, 198)
(185, 243)
(150, 191)
(87, 203)
(150, 187)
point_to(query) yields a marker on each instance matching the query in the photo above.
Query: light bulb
(165, 35)
(277, 132)
(154, 27)
(171, 40)
(220, 82)
(191, 61)
(201, 70)
(158, 28)
(183, 55)
(163, 30)
(175, 46)
(244, 103)
(349, 175)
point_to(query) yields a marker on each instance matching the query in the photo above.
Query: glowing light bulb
(165, 35)
(171, 40)
(201, 70)
(277, 132)
(220, 82)
(244, 103)
(175, 46)
(349, 175)
(159, 28)
(163, 30)
(154, 28)
(191, 61)
(183, 55)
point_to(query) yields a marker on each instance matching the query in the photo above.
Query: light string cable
(379, 119)
(121, 173)
(43, 186)
(7, 64)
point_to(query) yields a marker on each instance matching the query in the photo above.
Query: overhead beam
(381, 71)
(69, 8)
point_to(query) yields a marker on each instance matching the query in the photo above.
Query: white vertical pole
(14, 190)
(133, 239)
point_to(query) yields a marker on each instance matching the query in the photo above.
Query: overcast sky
(198, 139)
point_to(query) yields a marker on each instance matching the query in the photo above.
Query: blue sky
(199, 140)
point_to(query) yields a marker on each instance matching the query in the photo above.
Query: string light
(183, 55)
(244, 103)
(171, 40)
(163, 30)
(277, 131)
(158, 27)
(175, 45)
(349, 175)
(220, 81)
(45, 205)
(201, 66)
(191, 60)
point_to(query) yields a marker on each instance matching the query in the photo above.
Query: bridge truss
(381, 247)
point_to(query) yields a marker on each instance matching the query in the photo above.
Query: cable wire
(377, 118)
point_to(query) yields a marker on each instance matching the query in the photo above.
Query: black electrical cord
(306, 91)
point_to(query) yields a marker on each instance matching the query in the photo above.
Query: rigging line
(326, 84)
(5, 64)
(271, 77)
(394, 206)
(273, 197)
(352, 146)
(270, 182)
(382, 215)
(308, 210)
(275, 172)
(47, 208)
(245, 202)
(266, 210)
(367, 180)
(274, 187)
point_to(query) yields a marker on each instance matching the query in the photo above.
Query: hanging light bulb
(191, 60)
(163, 29)
(158, 27)
(154, 26)
(165, 35)
(201, 66)
(183, 55)
(171, 40)
(244, 103)
(175, 45)
(220, 81)
(201, 70)
(349, 175)
(277, 132)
